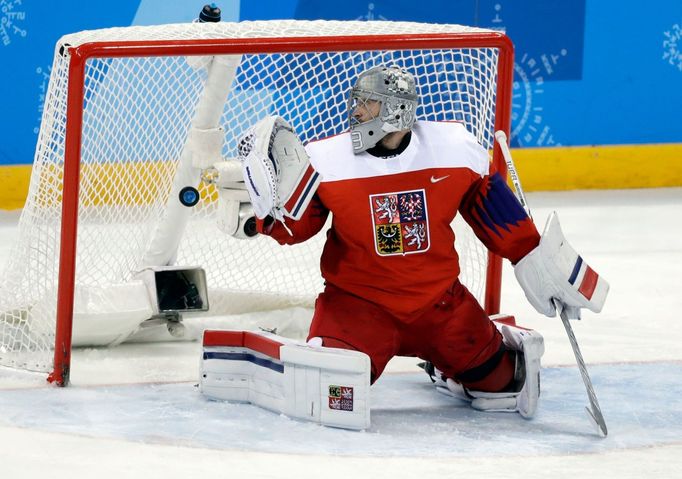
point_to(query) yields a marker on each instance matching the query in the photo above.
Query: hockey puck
(189, 196)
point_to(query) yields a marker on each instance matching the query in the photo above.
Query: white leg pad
(525, 401)
(328, 386)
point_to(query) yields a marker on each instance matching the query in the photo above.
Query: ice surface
(133, 411)
(409, 419)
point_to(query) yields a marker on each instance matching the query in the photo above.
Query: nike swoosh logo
(436, 180)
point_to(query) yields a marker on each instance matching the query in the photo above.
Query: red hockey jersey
(390, 240)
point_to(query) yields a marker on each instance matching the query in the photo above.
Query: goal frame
(79, 55)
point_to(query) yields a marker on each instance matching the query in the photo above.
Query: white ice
(133, 411)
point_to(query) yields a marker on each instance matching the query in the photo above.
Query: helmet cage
(395, 89)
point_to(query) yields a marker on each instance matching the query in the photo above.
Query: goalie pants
(454, 334)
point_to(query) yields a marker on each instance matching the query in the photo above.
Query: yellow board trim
(540, 169)
(111, 184)
(599, 167)
(14, 186)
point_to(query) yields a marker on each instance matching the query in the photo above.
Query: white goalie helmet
(395, 88)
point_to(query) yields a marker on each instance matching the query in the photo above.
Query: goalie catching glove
(277, 171)
(554, 272)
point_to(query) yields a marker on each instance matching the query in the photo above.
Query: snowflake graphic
(10, 20)
(528, 125)
(673, 49)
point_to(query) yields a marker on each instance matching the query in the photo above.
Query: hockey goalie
(393, 186)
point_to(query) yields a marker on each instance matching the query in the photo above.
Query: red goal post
(79, 95)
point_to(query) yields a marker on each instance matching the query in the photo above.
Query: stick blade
(598, 422)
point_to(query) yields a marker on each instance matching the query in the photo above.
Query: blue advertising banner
(559, 23)
(28, 34)
(587, 72)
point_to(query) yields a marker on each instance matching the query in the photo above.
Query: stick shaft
(516, 181)
(595, 411)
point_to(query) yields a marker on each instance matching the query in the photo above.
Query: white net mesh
(136, 117)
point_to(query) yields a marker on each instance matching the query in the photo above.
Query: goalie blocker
(555, 272)
(328, 386)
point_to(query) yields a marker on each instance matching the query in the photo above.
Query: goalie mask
(394, 88)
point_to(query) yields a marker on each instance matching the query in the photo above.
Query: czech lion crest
(400, 221)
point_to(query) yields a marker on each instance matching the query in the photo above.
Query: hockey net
(116, 118)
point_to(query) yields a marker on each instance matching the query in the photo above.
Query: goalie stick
(594, 412)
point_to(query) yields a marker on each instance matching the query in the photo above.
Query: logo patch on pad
(341, 398)
(400, 222)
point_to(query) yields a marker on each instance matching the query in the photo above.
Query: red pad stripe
(223, 338)
(507, 319)
(245, 339)
(261, 344)
(589, 283)
(299, 189)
